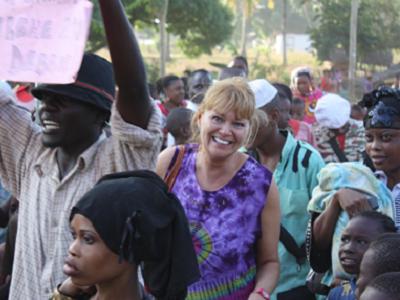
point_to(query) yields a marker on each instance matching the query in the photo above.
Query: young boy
(297, 109)
(178, 124)
(383, 287)
(301, 130)
(382, 256)
(358, 234)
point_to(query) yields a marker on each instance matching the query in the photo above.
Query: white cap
(332, 111)
(263, 91)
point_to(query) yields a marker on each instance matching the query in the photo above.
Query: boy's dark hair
(198, 71)
(388, 283)
(168, 80)
(297, 101)
(243, 59)
(357, 107)
(304, 73)
(283, 90)
(176, 119)
(386, 222)
(231, 72)
(386, 256)
(388, 235)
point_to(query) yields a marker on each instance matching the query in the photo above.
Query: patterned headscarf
(383, 107)
(139, 220)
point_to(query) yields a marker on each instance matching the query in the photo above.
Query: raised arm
(133, 101)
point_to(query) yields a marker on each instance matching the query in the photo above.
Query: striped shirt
(354, 143)
(30, 172)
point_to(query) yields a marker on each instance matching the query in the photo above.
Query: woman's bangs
(243, 108)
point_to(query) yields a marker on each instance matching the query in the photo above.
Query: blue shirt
(345, 291)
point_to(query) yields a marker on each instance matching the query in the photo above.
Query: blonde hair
(233, 94)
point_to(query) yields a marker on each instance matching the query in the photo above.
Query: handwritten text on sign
(43, 40)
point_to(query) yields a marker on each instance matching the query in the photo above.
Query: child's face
(383, 147)
(297, 112)
(357, 115)
(366, 272)
(356, 237)
(303, 84)
(326, 74)
(374, 294)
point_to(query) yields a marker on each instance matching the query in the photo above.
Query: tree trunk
(168, 47)
(353, 49)
(245, 28)
(284, 30)
(238, 23)
(163, 38)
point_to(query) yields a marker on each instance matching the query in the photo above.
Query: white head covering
(263, 91)
(332, 111)
(295, 72)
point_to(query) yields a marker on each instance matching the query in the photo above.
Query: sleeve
(132, 134)
(133, 146)
(16, 134)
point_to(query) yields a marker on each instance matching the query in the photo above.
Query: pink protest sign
(43, 40)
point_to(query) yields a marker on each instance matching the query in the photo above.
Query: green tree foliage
(200, 25)
(378, 27)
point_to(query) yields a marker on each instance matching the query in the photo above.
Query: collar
(289, 144)
(47, 164)
(382, 177)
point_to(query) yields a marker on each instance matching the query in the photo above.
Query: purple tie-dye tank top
(225, 225)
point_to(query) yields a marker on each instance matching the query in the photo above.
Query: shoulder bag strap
(174, 168)
(339, 153)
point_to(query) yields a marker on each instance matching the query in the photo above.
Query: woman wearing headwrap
(230, 200)
(304, 89)
(382, 133)
(129, 220)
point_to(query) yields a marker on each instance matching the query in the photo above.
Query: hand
(353, 202)
(255, 296)
(70, 289)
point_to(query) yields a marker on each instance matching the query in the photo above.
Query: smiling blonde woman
(230, 200)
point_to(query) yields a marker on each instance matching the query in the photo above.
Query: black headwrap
(139, 220)
(383, 106)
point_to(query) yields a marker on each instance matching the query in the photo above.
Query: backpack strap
(291, 246)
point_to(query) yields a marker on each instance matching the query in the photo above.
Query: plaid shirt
(30, 172)
(354, 142)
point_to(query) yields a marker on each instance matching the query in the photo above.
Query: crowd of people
(197, 188)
